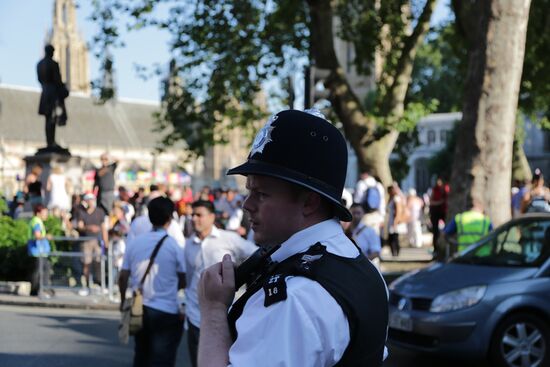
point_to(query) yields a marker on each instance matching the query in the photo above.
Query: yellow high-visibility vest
(470, 227)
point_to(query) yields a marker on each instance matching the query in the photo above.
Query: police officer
(318, 301)
(468, 226)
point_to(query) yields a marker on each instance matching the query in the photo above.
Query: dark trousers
(193, 334)
(46, 275)
(435, 217)
(393, 239)
(156, 344)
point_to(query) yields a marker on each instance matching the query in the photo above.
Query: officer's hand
(217, 286)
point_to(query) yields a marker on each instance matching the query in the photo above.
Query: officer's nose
(247, 204)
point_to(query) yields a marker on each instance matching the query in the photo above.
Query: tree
(439, 69)
(225, 50)
(495, 31)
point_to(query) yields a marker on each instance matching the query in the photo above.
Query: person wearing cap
(318, 301)
(91, 223)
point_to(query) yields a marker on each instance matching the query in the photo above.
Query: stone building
(124, 128)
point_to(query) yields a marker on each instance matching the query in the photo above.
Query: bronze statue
(52, 99)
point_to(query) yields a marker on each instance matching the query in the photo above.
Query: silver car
(492, 300)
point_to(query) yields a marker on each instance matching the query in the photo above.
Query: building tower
(70, 49)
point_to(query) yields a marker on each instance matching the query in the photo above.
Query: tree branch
(345, 103)
(394, 99)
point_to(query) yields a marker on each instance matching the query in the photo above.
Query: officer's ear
(312, 203)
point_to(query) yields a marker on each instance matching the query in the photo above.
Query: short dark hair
(205, 204)
(153, 187)
(38, 208)
(356, 205)
(160, 211)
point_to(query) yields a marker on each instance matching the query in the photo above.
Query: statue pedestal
(71, 166)
(53, 150)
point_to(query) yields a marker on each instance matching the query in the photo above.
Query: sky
(25, 23)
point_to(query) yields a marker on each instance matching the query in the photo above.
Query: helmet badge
(263, 137)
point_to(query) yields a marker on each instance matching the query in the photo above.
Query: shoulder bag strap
(152, 259)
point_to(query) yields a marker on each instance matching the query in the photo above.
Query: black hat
(302, 148)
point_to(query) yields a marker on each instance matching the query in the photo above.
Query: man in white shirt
(204, 248)
(157, 342)
(320, 302)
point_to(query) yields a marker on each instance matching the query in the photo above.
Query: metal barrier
(63, 270)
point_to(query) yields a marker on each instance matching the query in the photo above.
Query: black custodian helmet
(302, 148)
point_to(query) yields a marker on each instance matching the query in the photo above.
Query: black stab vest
(354, 283)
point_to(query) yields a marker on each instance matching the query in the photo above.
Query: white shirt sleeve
(309, 328)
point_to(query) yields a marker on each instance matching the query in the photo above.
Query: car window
(526, 243)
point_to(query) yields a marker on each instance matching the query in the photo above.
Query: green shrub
(3, 205)
(15, 263)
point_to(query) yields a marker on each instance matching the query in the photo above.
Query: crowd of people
(389, 216)
(114, 215)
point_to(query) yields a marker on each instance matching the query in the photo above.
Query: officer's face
(274, 208)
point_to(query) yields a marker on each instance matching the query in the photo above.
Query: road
(43, 337)
(404, 358)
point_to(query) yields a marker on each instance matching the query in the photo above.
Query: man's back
(161, 284)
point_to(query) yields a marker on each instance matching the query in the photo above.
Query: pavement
(63, 298)
(409, 258)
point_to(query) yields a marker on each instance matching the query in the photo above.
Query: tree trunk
(482, 168)
(372, 144)
(376, 157)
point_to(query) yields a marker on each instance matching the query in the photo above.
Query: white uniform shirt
(199, 255)
(160, 288)
(309, 328)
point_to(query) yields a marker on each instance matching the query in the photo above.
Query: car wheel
(521, 340)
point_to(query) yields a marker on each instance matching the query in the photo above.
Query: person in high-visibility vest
(38, 247)
(469, 226)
